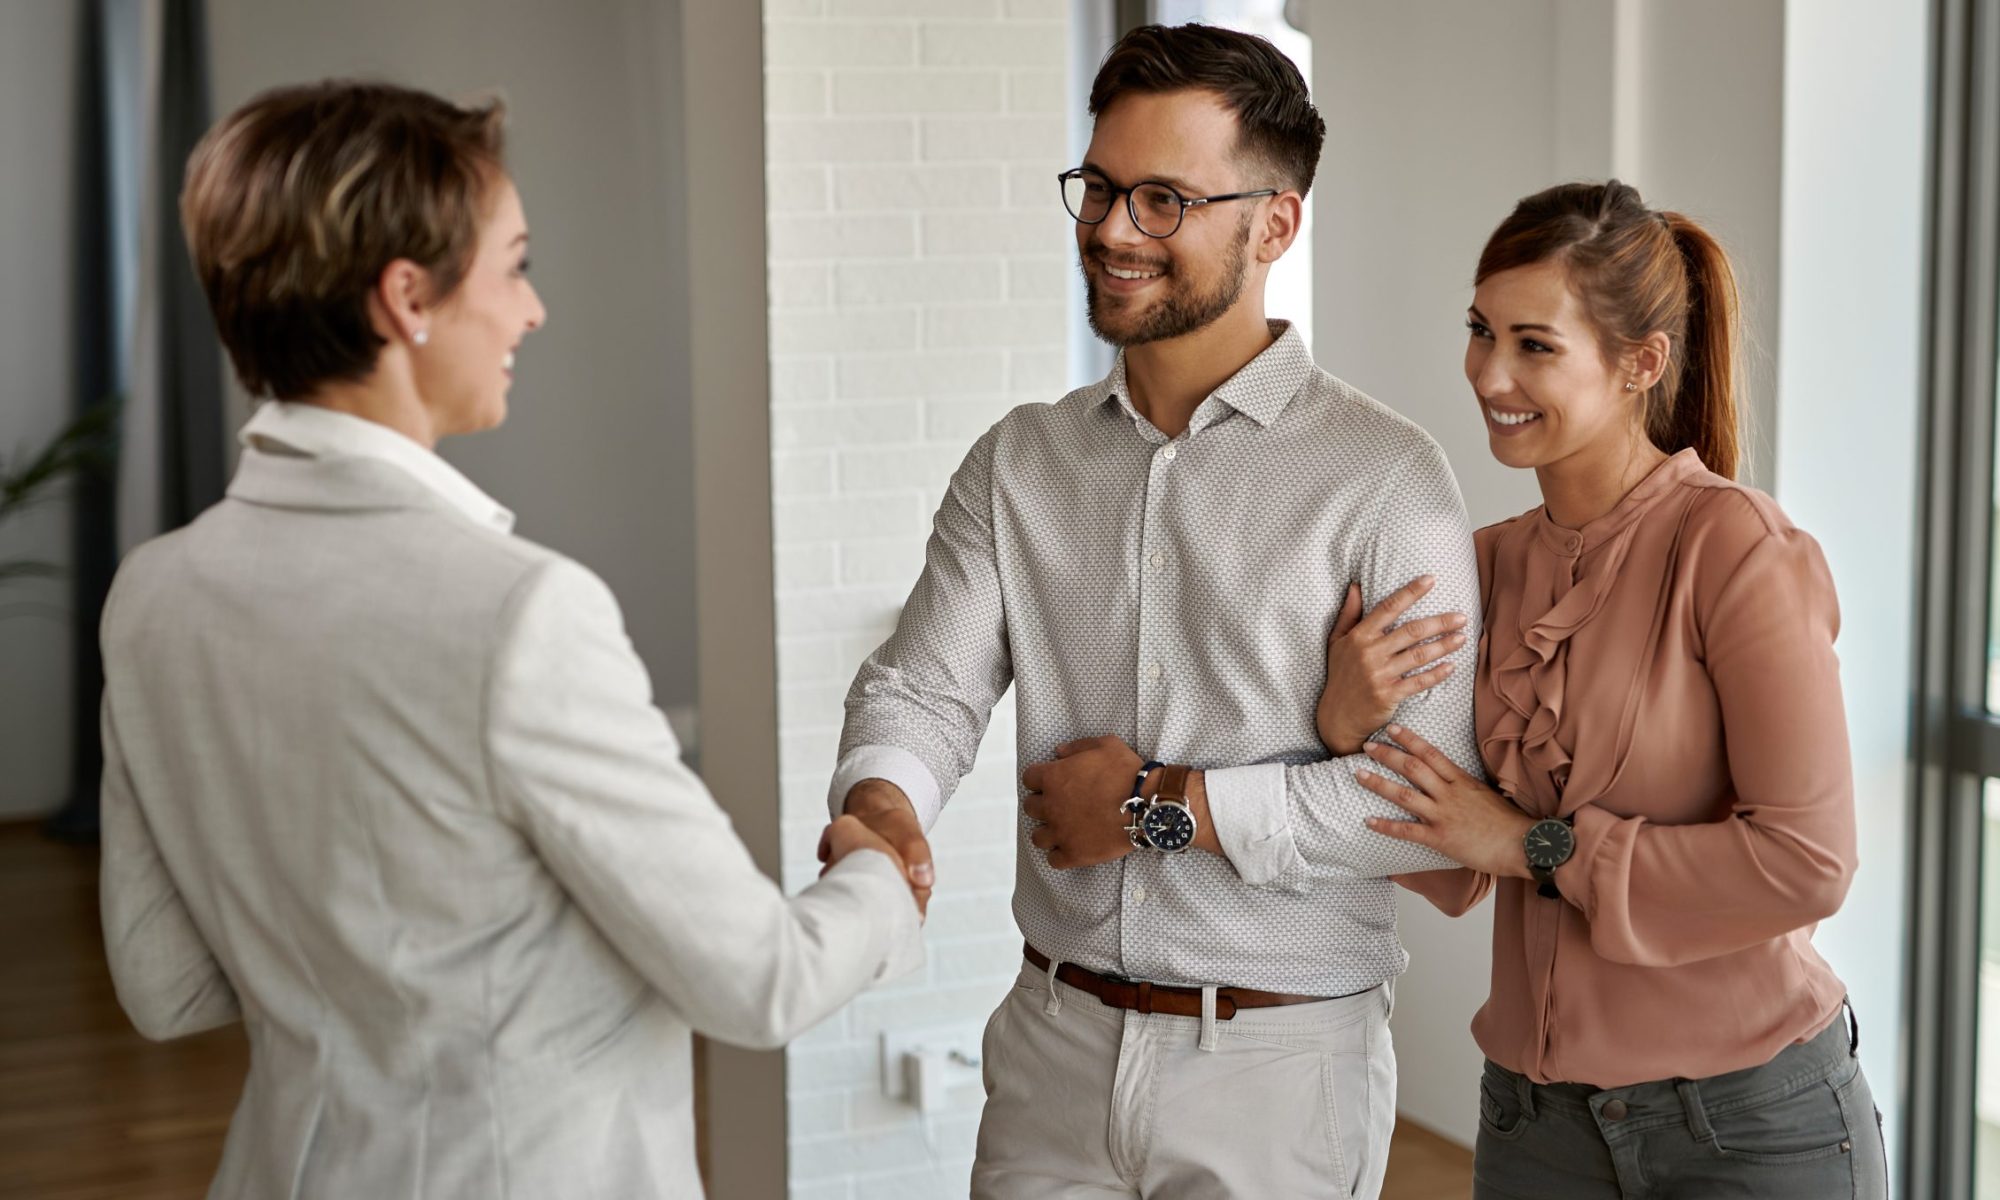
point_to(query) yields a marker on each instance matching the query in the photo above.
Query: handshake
(879, 816)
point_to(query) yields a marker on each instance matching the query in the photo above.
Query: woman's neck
(385, 399)
(1588, 484)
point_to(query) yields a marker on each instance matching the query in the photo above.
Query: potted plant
(85, 446)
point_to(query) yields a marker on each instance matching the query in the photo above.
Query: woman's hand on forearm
(1373, 664)
(1454, 813)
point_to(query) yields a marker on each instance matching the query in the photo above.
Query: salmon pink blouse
(1665, 677)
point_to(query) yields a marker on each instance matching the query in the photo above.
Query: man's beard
(1183, 310)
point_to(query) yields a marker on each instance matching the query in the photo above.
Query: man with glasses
(1154, 563)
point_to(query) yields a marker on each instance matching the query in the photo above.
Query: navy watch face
(1549, 844)
(1169, 827)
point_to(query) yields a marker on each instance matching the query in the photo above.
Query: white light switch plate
(960, 1040)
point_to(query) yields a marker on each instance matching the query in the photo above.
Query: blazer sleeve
(584, 764)
(166, 978)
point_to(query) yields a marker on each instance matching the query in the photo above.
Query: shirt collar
(312, 431)
(1261, 390)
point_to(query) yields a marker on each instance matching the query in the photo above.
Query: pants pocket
(989, 1043)
(1809, 1124)
(1500, 1112)
(1344, 1082)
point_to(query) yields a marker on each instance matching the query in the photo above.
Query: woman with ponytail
(1658, 706)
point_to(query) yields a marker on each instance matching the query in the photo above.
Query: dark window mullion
(1957, 740)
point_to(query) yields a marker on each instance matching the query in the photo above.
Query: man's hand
(1078, 800)
(883, 809)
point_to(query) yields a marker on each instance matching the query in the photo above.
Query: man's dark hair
(1274, 112)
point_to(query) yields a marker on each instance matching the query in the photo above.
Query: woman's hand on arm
(1373, 664)
(1452, 812)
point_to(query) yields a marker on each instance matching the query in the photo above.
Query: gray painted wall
(1710, 137)
(38, 52)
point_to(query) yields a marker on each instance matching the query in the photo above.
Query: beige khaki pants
(1084, 1100)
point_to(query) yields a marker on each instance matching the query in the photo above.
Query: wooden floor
(89, 1110)
(1424, 1166)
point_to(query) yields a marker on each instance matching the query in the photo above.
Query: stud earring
(1629, 385)
(422, 337)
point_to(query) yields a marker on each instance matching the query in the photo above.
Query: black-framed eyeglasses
(1157, 209)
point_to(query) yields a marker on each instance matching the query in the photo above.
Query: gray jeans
(1803, 1126)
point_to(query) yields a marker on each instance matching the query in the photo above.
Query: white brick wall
(919, 264)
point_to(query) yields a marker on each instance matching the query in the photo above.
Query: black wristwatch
(1165, 822)
(1548, 845)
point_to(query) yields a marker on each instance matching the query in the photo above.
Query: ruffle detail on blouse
(1529, 680)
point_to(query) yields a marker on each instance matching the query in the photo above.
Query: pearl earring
(422, 337)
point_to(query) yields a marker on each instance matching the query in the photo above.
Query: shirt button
(1615, 1110)
(1169, 453)
(1154, 670)
(1157, 561)
(1139, 895)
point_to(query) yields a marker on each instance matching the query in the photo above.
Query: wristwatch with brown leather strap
(1166, 823)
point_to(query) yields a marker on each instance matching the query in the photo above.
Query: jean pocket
(1500, 1111)
(1805, 1125)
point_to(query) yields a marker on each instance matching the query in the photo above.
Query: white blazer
(387, 784)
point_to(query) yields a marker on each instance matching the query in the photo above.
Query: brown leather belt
(1159, 997)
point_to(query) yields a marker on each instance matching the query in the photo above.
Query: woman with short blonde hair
(386, 782)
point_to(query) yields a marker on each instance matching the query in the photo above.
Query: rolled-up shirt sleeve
(1659, 895)
(1453, 893)
(1282, 825)
(892, 764)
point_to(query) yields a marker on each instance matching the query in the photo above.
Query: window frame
(1956, 734)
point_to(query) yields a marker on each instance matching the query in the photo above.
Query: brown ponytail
(1703, 412)
(1640, 272)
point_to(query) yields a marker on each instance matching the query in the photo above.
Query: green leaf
(88, 446)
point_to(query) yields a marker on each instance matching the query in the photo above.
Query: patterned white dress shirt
(1178, 593)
